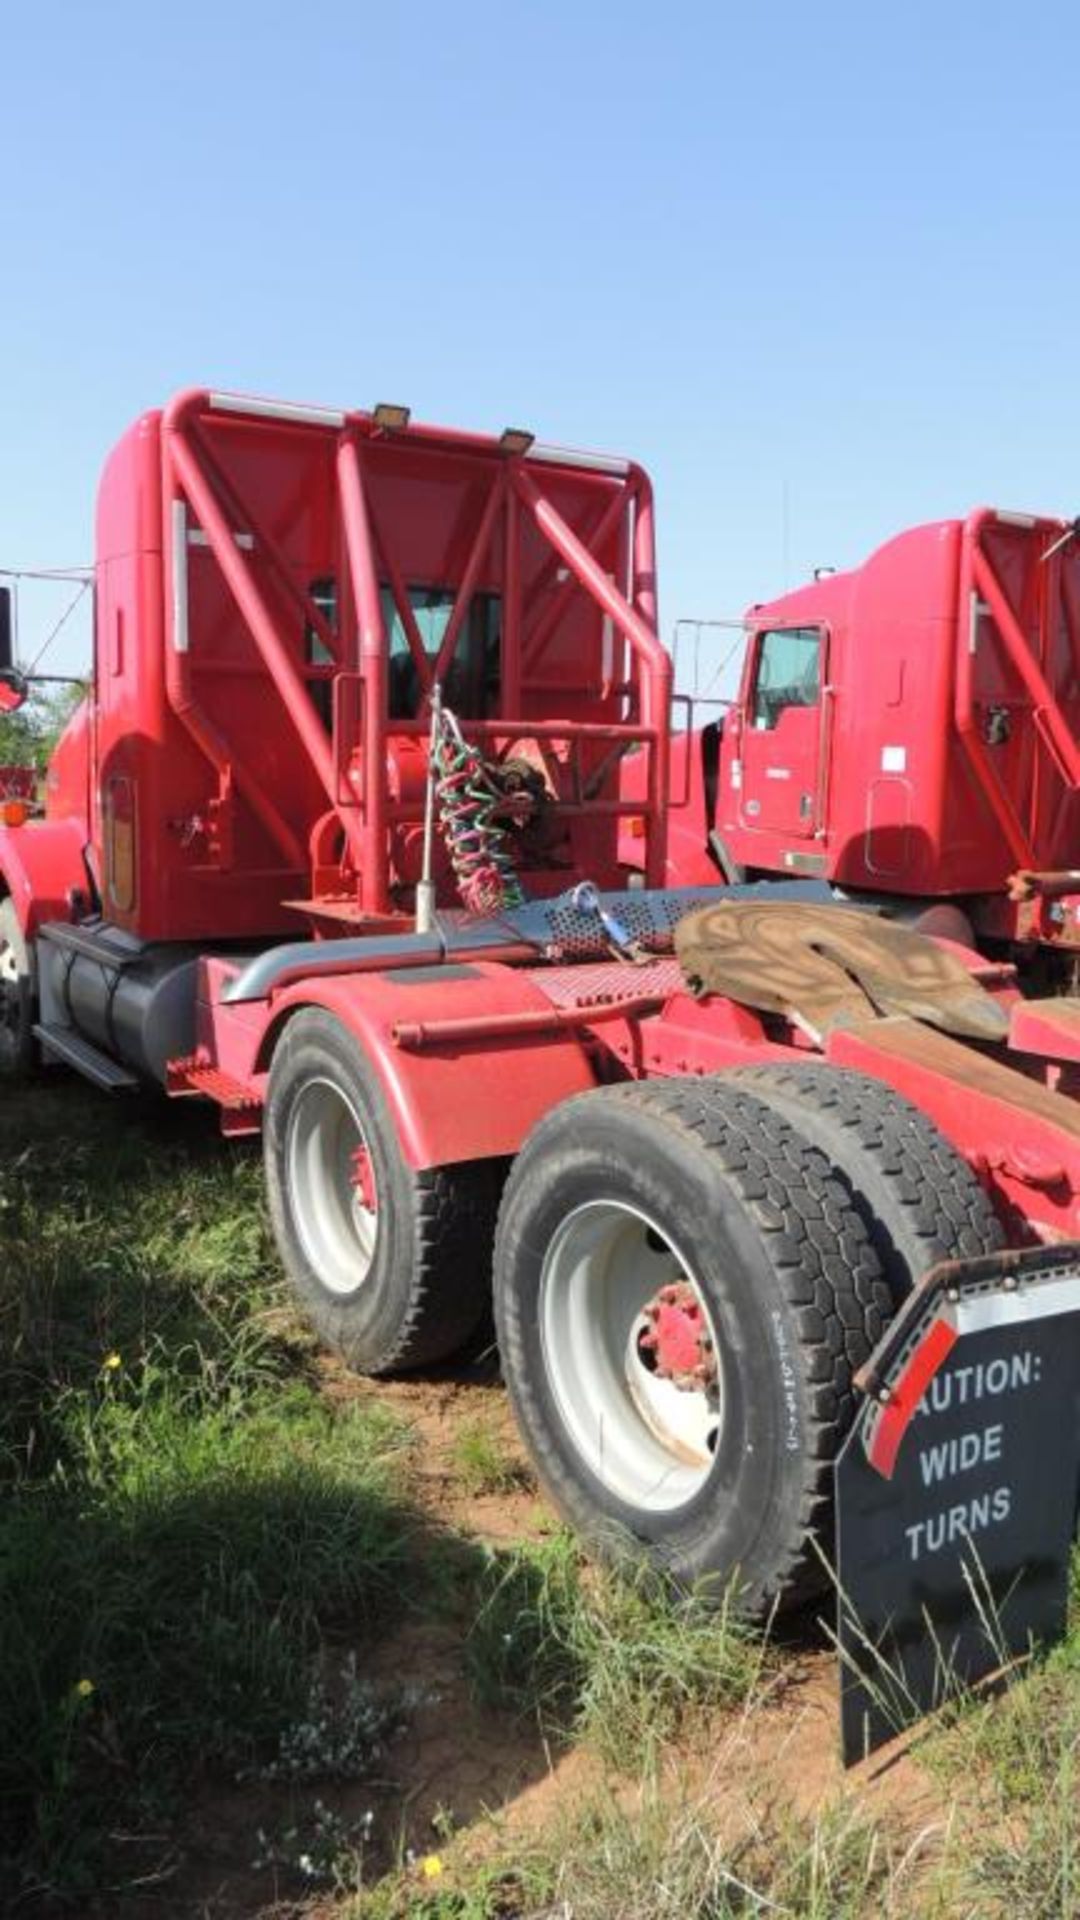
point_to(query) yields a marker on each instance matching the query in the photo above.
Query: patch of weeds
(662, 1859)
(325, 1849)
(483, 1464)
(429, 1890)
(344, 1731)
(616, 1656)
(838, 1866)
(1011, 1743)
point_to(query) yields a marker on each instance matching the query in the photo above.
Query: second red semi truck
(908, 732)
(334, 843)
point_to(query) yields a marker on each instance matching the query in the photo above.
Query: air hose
(468, 799)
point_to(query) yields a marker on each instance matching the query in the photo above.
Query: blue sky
(817, 267)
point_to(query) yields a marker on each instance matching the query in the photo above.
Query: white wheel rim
(13, 973)
(650, 1442)
(337, 1230)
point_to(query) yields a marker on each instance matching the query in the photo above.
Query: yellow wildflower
(111, 1362)
(84, 1688)
(431, 1866)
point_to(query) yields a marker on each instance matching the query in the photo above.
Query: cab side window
(323, 594)
(788, 674)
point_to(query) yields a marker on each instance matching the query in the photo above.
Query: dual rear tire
(789, 1216)
(688, 1273)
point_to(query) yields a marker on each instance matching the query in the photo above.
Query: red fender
(450, 1102)
(41, 864)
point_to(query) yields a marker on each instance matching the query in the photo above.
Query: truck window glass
(471, 686)
(324, 598)
(788, 673)
(323, 593)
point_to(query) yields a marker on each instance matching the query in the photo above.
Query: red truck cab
(907, 729)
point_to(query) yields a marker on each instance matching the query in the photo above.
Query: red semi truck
(334, 843)
(908, 731)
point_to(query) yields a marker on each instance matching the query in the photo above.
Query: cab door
(782, 735)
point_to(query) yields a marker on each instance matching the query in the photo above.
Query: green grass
(184, 1521)
(662, 1859)
(660, 1856)
(478, 1893)
(1018, 1754)
(612, 1656)
(483, 1464)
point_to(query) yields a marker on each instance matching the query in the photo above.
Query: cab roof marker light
(278, 410)
(591, 462)
(516, 440)
(391, 418)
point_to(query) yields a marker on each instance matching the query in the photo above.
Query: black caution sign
(956, 1491)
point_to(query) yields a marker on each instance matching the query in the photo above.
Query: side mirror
(13, 686)
(14, 691)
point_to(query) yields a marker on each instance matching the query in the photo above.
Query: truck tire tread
(818, 1252)
(428, 1291)
(920, 1200)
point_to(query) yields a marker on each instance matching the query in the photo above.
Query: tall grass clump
(616, 1656)
(1018, 1754)
(184, 1519)
(656, 1856)
(662, 1859)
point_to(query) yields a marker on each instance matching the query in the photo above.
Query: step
(108, 946)
(67, 1045)
(195, 1076)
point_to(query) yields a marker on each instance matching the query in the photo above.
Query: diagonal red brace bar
(1051, 721)
(654, 662)
(249, 599)
(560, 600)
(244, 517)
(403, 605)
(477, 556)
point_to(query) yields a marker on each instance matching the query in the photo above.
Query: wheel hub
(675, 1343)
(363, 1179)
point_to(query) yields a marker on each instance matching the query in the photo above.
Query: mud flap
(956, 1489)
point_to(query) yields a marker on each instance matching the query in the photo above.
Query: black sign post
(956, 1490)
